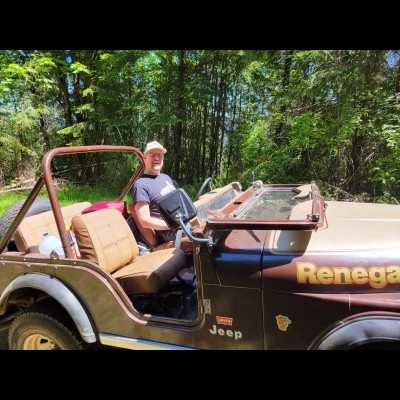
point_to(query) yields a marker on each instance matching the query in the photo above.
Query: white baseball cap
(154, 145)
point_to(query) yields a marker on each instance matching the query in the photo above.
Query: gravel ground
(3, 340)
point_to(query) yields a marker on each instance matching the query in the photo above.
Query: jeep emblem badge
(282, 322)
(224, 320)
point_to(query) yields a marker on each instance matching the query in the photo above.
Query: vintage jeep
(271, 267)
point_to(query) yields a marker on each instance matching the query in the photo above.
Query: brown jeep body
(283, 269)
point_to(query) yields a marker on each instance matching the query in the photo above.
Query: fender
(57, 290)
(360, 331)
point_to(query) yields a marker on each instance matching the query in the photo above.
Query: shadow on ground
(4, 340)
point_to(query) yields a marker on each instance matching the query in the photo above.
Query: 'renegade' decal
(376, 277)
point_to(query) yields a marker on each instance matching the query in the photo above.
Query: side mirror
(177, 209)
(174, 204)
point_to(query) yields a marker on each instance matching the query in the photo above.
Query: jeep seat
(31, 229)
(105, 238)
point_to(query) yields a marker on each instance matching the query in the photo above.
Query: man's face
(153, 161)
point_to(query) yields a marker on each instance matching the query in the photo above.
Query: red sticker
(224, 321)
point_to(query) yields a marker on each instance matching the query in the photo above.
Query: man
(149, 189)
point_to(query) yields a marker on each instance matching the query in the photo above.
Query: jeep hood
(348, 226)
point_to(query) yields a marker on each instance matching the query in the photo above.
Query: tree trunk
(179, 130)
(279, 132)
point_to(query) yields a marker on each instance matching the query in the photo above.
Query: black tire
(38, 206)
(44, 327)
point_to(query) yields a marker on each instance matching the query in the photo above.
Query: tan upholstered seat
(30, 231)
(105, 238)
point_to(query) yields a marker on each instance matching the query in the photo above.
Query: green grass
(75, 194)
(67, 195)
(7, 199)
(70, 194)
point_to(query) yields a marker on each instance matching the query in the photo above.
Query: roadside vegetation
(67, 194)
(330, 116)
(72, 193)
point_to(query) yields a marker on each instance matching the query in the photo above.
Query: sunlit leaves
(88, 92)
(10, 144)
(75, 131)
(77, 68)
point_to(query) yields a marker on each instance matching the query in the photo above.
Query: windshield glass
(271, 204)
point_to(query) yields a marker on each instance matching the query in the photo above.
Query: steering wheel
(205, 183)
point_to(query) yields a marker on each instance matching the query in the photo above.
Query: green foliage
(287, 115)
(67, 194)
(75, 131)
(70, 194)
(78, 68)
(8, 199)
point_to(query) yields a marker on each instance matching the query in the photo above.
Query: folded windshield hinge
(313, 217)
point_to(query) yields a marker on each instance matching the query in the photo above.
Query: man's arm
(142, 210)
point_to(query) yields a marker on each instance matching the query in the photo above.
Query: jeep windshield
(264, 206)
(270, 204)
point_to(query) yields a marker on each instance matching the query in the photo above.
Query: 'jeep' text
(222, 332)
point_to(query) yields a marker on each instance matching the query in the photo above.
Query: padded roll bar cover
(119, 205)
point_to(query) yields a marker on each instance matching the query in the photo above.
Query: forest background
(330, 116)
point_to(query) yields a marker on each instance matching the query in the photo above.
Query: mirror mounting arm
(178, 217)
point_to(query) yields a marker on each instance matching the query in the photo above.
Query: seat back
(105, 238)
(30, 231)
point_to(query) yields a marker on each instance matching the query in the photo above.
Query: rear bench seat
(30, 232)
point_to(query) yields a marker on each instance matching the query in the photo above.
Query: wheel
(205, 183)
(38, 206)
(44, 327)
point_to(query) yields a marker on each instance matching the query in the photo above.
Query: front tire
(44, 328)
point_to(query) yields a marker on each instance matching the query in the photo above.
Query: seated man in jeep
(151, 186)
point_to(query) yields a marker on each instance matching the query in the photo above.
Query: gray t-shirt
(151, 188)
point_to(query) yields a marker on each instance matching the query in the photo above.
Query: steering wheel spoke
(203, 186)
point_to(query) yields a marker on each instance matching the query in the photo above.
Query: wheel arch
(59, 292)
(360, 331)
